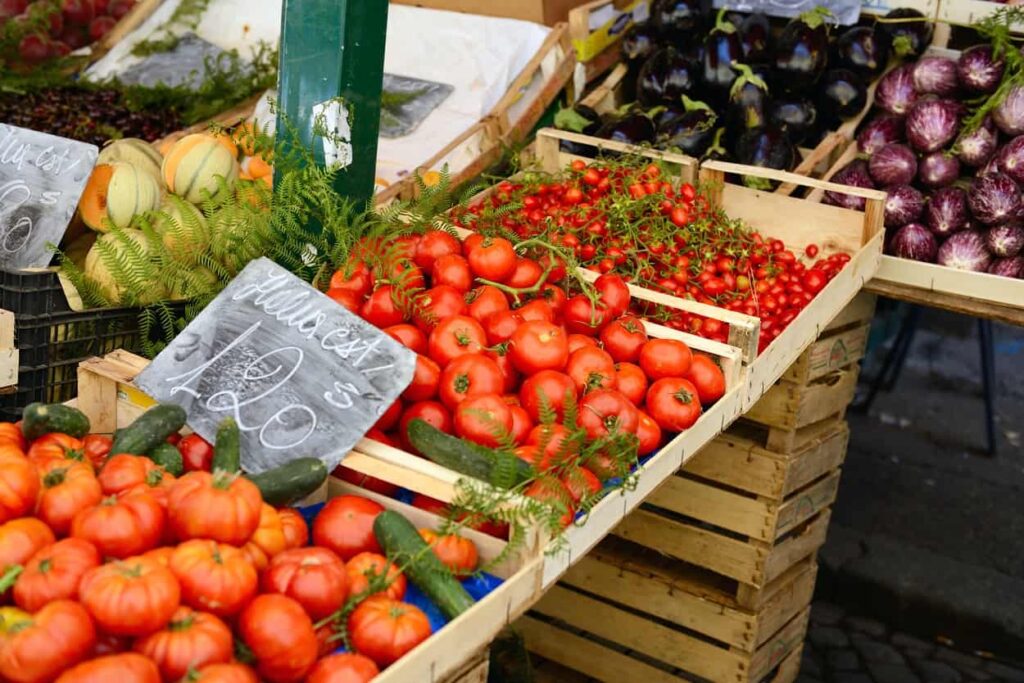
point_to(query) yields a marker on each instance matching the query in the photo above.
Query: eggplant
(634, 128)
(717, 151)
(767, 147)
(910, 34)
(854, 174)
(722, 49)
(665, 77)
(748, 101)
(678, 21)
(841, 94)
(693, 133)
(578, 119)
(639, 43)
(801, 53)
(756, 38)
(663, 117)
(795, 115)
(863, 49)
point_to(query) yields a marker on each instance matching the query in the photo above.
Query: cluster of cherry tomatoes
(499, 341)
(115, 570)
(630, 220)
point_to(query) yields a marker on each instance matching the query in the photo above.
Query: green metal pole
(332, 65)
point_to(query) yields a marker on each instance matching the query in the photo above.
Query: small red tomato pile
(115, 570)
(625, 217)
(39, 30)
(514, 352)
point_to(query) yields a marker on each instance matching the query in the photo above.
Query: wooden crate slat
(806, 504)
(787, 640)
(726, 509)
(791, 406)
(829, 354)
(791, 550)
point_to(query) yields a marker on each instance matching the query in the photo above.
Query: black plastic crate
(52, 339)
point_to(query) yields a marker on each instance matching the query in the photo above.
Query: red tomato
(385, 629)
(454, 337)
(313, 577)
(452, 270)
(191, 640)
(547, 386)
(381, 310)
(354, 277)
(97, 448)
(521, 424)
(433, 245)
(551, 440)
(665, 358)
(623, 339)
(362, 568)
(122, 527)
(196, 452)
(436, 304)
(479, 417)
(525, 274)
(364, 480)
(343, 668)
(293, 524)
(591, 368)
(485, 301)
(649, 433)
(469, 375)
(578, 341)
(537, 345)
(214, 577)
(707, 377)
(493, 259)
(20, 539)
(605, 411)
(431, 412)
(456, 552)
(126, 667)
(501, 325)
(581, 317)
(131, 597)
(58, 636)
(281, 637)
(534, 456)
(581, 483)
(224, 673)
(551, 490)
(68, 487)
(471, 242)
(345, 525)
(673, 403)
(510, 378)
(222, 506)
(554, 296)
(349, 299)
(409, 336)
(613, 294)
(389, 418)
(424, 380)
(631, 381)
(54, 573)
(538, 309)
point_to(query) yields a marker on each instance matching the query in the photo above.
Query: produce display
(37, 31)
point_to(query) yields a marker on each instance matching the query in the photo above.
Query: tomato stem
(10, 576)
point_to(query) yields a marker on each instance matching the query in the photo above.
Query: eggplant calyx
(716, 144)
(816, 17)
(903, 46)
(655, 111)
(694, 105)
(571, 120)
(723, 25)
(754, 183)
(746, 76)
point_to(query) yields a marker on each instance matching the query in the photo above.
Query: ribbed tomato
(363, 567)
(19, 485)
(293, 524)
(57, 446)
(343, 668)
(127, 667)
(385, 629)
(122, 527)
(54, 573)
(190, 640)
(214, 577)
(68, 488)
(268, 540)
(20, 539)
(132, 597)
(58, 636)
(223, 507)
(345, 525)
(313, 577)
(456, 552)
(223, 673)
(281, 637)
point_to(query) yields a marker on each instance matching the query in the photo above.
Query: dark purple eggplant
(677, 21)
(578, 119)
(1009, 114)
(634, 129)
(976, 148)
(665, 77)
(665, 116)
(722, 49)
(903, 204)
(894, 164)
(946, 212)
(914, 242)
(854, 174)
(979, 71)
(880, 131)
(693, 132)
(1008, 267)
(932, 124)
(895, 92)
(1010, 159)
(756, 38)
(767, 147)
(639, 43)
(938, 169)
(965, 251)
(935, 76)
(910, 34)
(795, 115)
(801, 53)
(862, 49)
(994, 199)
(748, 101)
(1005, 240)
(841, 94)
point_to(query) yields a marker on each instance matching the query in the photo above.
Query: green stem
(9, 577)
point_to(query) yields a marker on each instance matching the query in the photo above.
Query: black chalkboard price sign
(300, 374)
(42, 177)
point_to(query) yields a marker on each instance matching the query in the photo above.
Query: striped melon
(131, 192)
(134, 151)
(193, 166)
(183, 228)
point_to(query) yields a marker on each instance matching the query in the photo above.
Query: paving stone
(871, 627)
(826, 613)
(805, 678)
(960, 660)
(828, 637)
(938, 672)
(882, 653)
(892, 673)
(809, 664)
(843, 660)
(848, 677)
(909, 643)
(1005, 673)
(977, 674)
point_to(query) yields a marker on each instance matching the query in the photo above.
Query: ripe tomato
(196, 452)
(343, 668)
(350, 300)
(54, 573)
(214, 577)
(534, 456)
(537, 345)
(68, 488)
(478, 417)
(122, 527)
(431, 412)
(293, 524)
(538, 309)
(581, 483)
(623, 338)
(132, 597)
(550, 489)
(591, 368)
(345, 525)
(500, 326)
(380, 309)
(581, 316)
(223, 673)
(362, 568)
(707, 377)
(389, 418)
(814, 280)
(673, 403)
(355, 277)
(424, 380)
(20, 539)
(509, 376)
(456, 552)
(384, 629)
(364, 481)
(525, 274)
(125, 667)
(97, 448)
(10, 431)
(631, 381)
(125, 473)
(546, 387)
(554, 296)
(551, 440)
(19, 487)
(191, 640)
(409, 336)
(56, 637)
(436, 304)
(221, 506)
(578, 341)
(452, 270)
(469, 375)
(521, 423)
(665, 358)
(313, 577)
(280, 635)
(605, 411)
(454, 337)
(649, 433)
(492, 259)
(57, 446)
(433, 245)
(613, 295)
(267, 541)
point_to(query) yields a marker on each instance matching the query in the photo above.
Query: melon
(137, 152)
(92, 206)
(182, 228)
(131, 192)
(77, 249)
(193, 166)
(97, 270)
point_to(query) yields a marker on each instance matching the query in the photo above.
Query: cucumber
(227, 454)
(407, 549)
(291, 481)
(41, 418)
(465, 457)
(150, 429)
(168, 457)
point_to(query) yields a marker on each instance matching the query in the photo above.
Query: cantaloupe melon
(92, 206)
(228, 143)
(77, 249)
(192, 167)
(183, 228)
(256, 167)
(134, 151)
(96, 267)
(131, 192)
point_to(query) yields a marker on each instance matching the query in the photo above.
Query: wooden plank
(795, 548)
(860, 310)
(474, 672)
(733, 511)
(97, 396)
(774, 652)
(605, 98)
(828, 354)
(791, 406)
(949, 302)
(789, 668)
(6, 329)
(805, 504)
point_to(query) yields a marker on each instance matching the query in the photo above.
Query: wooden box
(548, 12)
(596, 29)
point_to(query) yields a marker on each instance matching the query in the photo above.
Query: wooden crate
(596, 29)
(548, 12)
(8, 353)
(475, 671)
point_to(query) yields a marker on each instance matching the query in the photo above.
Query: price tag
(300, 374)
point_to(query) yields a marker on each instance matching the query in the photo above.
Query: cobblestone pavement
(844, 648)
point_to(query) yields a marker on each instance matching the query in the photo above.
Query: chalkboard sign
(41, 179)
(300, 374)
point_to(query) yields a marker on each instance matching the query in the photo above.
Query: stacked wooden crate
(712, 578)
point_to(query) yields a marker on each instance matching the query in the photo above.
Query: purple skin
(994, 199)
(895, 92)
(894, 164)
(1009, 114)
(1005, 240)
(946, 211)
(965, 251)
(978, 72)
(1010, 159)
(882, 130)
(935, 76)
(913, 241)
(932, 124)
(903, 204)
(978, 147)
(1008, 267)
(938, 169)
(854, 174)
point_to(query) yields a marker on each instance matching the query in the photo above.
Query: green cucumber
(465, 457)
(290, 482)
(227, 449)
(406, 548)
(149, 430)
(41, 418)
(168, 457)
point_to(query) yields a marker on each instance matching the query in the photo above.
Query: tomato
(454, 337)
(578, 341)
(525, 274)
(97, 448)
(452, 270)
(267, 541)
(551, 490)
(613, 294)
(354, 277)
(343, 668)
(521, 424)
(56, 446)
(581, 483)
(424, 380)
(58, 636)
(534, 456)
(665, 358)
(433, 245)
(537, 345)
(381, 309)
(456, 552)
(673, 403)
(364, 481)
(814, 280)
(54, 573)
(12, 432)
(362, 568)
(606, 411)
(623, 338)
(436, 304)
(127, 667)
(509, 376)
(222, 506)
(546, 387)
(126, 473)
(20, 539)
(409, 336)
(191, 640)
(68, 488)
(631, 381)
(538, 309)
(389, 418)
(492, 259)
(385, 629)
(707, 377)
(500, 326)
(313, 577)
(19, 487)
(591, 368)
(581, 317)
(649, 433)
(122, 527)
(431, 412)
(223, 673)
(132, 597)
(196, 452)
(469, 375)
(350, 300)
(554, 296)
(280, 635)
(214, 577)
(293, 524)
(483, 419)
(486, 301)
(345, 525)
